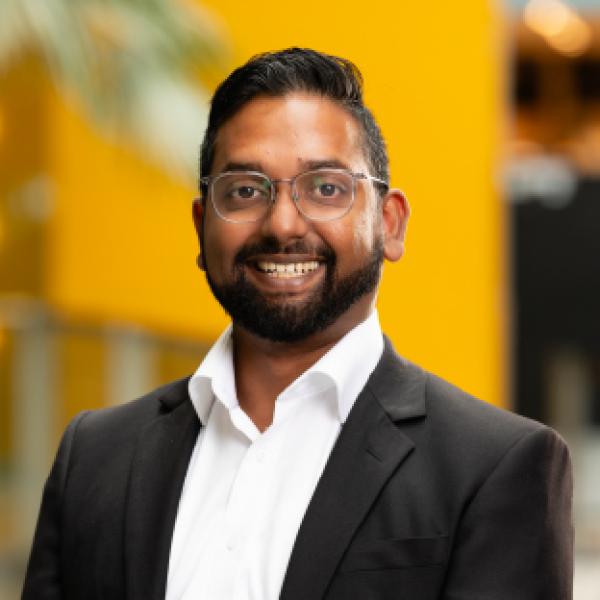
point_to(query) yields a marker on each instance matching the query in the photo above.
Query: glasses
(319, 195)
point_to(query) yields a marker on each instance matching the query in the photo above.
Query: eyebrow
(325, 164)
(308, 165)
(241, 166)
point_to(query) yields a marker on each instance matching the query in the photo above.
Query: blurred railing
(52, 367)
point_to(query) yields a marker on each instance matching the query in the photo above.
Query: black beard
(292, 322)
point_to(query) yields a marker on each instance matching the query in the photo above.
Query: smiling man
(304, 459)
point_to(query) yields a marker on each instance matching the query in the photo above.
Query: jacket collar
(158, 470)
(399, 385)
(370, 449)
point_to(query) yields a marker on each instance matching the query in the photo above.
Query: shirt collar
(346, 367)
(214, 377)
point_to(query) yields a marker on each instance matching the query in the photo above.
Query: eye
(245, 192)
(327, 189)
(244, 189)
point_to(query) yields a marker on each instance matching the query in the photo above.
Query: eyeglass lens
(320, 195)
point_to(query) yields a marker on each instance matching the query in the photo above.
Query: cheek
(215, 250)
(364, 232)
(221, 243)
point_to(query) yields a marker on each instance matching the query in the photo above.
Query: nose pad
(294, 195)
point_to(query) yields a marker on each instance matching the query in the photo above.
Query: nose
(284, 221)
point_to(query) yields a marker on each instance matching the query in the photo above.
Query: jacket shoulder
(125, 420)
(456, 422)
(447, 402)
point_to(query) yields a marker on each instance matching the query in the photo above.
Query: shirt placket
(243, 505)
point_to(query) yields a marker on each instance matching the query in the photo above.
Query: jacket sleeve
(515, 538)
(43, 578)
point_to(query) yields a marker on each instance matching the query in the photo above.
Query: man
(304, 459)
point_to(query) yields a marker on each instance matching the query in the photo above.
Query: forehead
(283, 134)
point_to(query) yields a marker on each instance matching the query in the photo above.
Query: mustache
(271, 245)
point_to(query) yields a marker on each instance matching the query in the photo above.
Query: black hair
(294, 70)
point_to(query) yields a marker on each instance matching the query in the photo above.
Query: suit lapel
(157, 474)
(370, 448)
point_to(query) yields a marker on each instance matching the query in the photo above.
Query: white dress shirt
(246, 492)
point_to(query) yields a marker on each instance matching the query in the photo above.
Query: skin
(284, 136)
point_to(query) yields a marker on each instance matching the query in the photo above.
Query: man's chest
(244, 498)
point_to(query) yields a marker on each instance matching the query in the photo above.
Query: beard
(279, 321)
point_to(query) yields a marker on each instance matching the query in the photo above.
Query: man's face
(328, 267)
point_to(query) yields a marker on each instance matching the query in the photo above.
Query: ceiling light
(559, 25)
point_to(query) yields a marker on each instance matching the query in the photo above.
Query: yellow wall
(122, 244)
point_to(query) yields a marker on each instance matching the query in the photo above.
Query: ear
(395, 213)
(198, 217)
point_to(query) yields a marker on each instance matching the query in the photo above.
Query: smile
(287, 270)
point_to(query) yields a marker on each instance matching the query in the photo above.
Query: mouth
(286, 273)
(287, 270)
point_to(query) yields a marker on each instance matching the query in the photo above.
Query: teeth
(288, 269)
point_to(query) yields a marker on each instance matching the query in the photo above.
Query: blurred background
(492, 116)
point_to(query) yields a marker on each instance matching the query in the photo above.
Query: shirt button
(260, 456)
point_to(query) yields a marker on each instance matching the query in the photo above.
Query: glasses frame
(210, 180)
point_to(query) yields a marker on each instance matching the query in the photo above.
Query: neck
(280, 363)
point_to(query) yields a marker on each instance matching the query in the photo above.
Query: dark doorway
(556, 271)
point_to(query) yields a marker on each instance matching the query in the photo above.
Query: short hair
(295, 70)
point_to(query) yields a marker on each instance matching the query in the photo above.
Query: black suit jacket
(428, 493)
